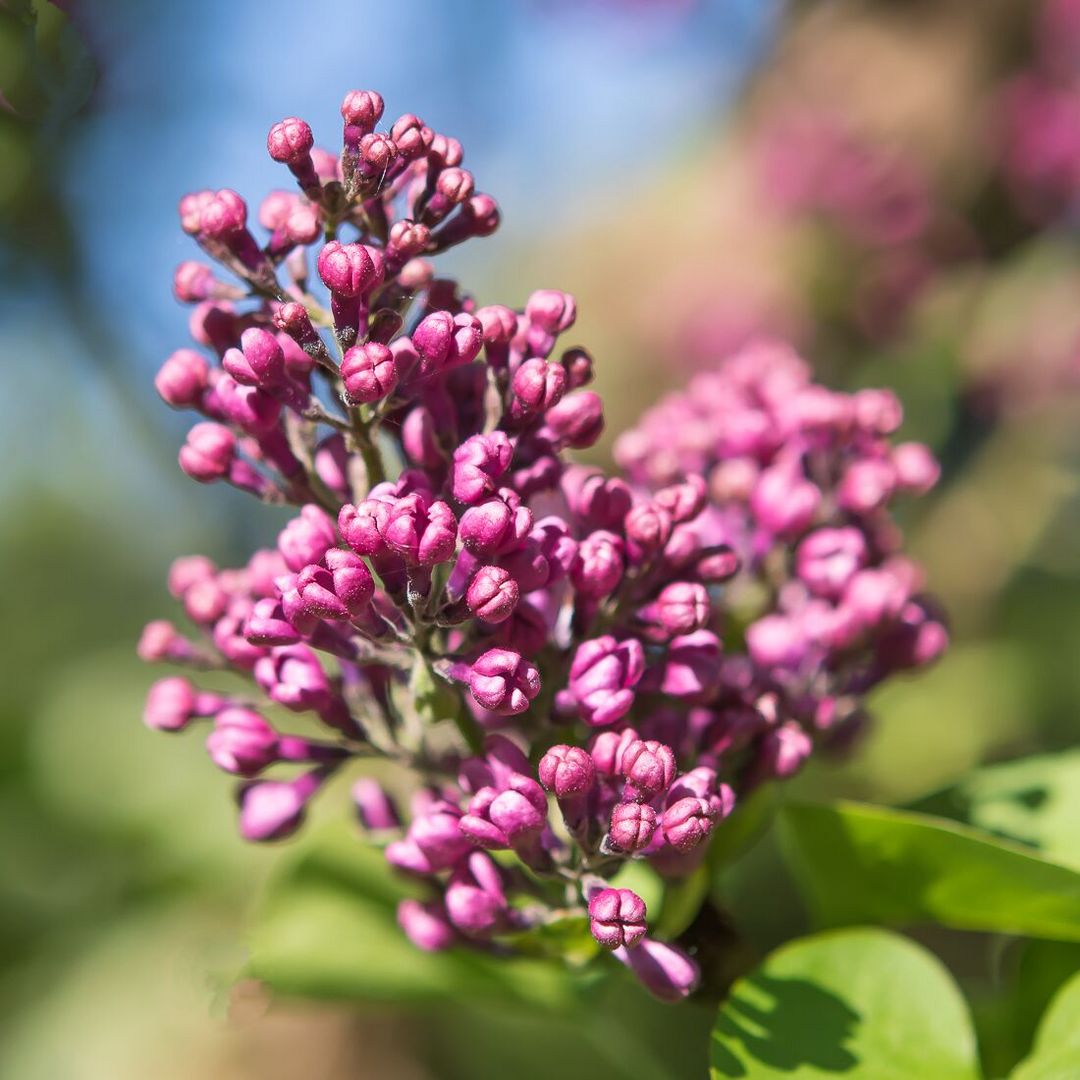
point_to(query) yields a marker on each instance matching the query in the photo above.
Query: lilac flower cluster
(561, 659)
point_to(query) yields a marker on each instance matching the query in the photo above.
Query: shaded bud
(503, 682)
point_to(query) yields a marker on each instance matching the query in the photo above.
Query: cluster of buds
(550, 652)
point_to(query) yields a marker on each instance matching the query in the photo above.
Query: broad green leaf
(638, 875)
(1035, 800)
(744, 827)
(1056, 1054)
(327, 929)
(859, 863)
(862, 1004)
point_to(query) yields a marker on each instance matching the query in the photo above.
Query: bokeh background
(892, 186)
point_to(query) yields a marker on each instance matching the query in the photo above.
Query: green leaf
(861, 1004)
(859, 863)
(1035, 801)
(327, 929)
(683, 898)
(1056, 1054)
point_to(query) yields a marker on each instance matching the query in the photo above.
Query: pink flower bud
(688, 822)
(915, 467)
(566, 770)
(307, 538)
(784, 749)
(598, 568)
(242, 742)
(223, 215)
(350, 269)
(208, 453)
(478, 462)
(290, 141)
(664, 970)
(425, 924)
(827, 558)
(443, 340)
(648, 529)
(617, 918)
(170, 704)
(352, 580)
(374, 807)
(649, 768)
(492, 594)
(503, 682)
(577, 421)
(369, 372)
(552, 310)
(682, 607)
(537, 386)
(272, 809)
(362, 109)
(608, 748)
(866, 485)
(632, 826)
(420, 533)
(603, 675)
(182, 379)
(495, 526)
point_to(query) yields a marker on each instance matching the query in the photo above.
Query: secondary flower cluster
(559, 659)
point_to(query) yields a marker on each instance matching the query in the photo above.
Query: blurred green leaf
(564, 939)
(862, 1004)
(1035, 801)
(859, 863)
(326, 929)
(1056, 1055)
(683, 898)
(638, 875)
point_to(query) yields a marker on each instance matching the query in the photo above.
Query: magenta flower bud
(496, 526)
(205, 601)
(506, 818)
(648, 529)
(559, 548)
(566, 770)
(182, 379)
(878, 412)
(369, 372)
(682, 607)
(350, 269)
(866, 485)
(315, 588)
(692, 670)
(352, 580)
(187, 571)
(248, 407)
(170, 704)
(608, 748)
(223, 216)
(503, 682)
(688, 822)
(474, 909)
(208, 453)
(194, 282)
(160, 640)
(374, 807)
(478, 462)
(664, 970)
(191, 208)
(603, 675)
(777, 641)
(784, 749)
(290, 141)
(649, 768)
(443, 340)
(578, 365)
(421, 534)
(683, 501)
(307, 538)
(261, 361)
(826, 559)
(783, 501)
(537, 386)
(362, 526)
(632, 826)
(408, 238)
(274, 809)
(375, 155)
(617, 918)
(242, 742)
(437, 833)
(875, 596)
(293, 677)
(268, 625)
(498, 324)
(410, 136)
(362, 109)
(552, 310)
(598, 568)
(425, 925)
(914, 466)
(577, 421)
(492, 594)
(717, 565)
(599, 502)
